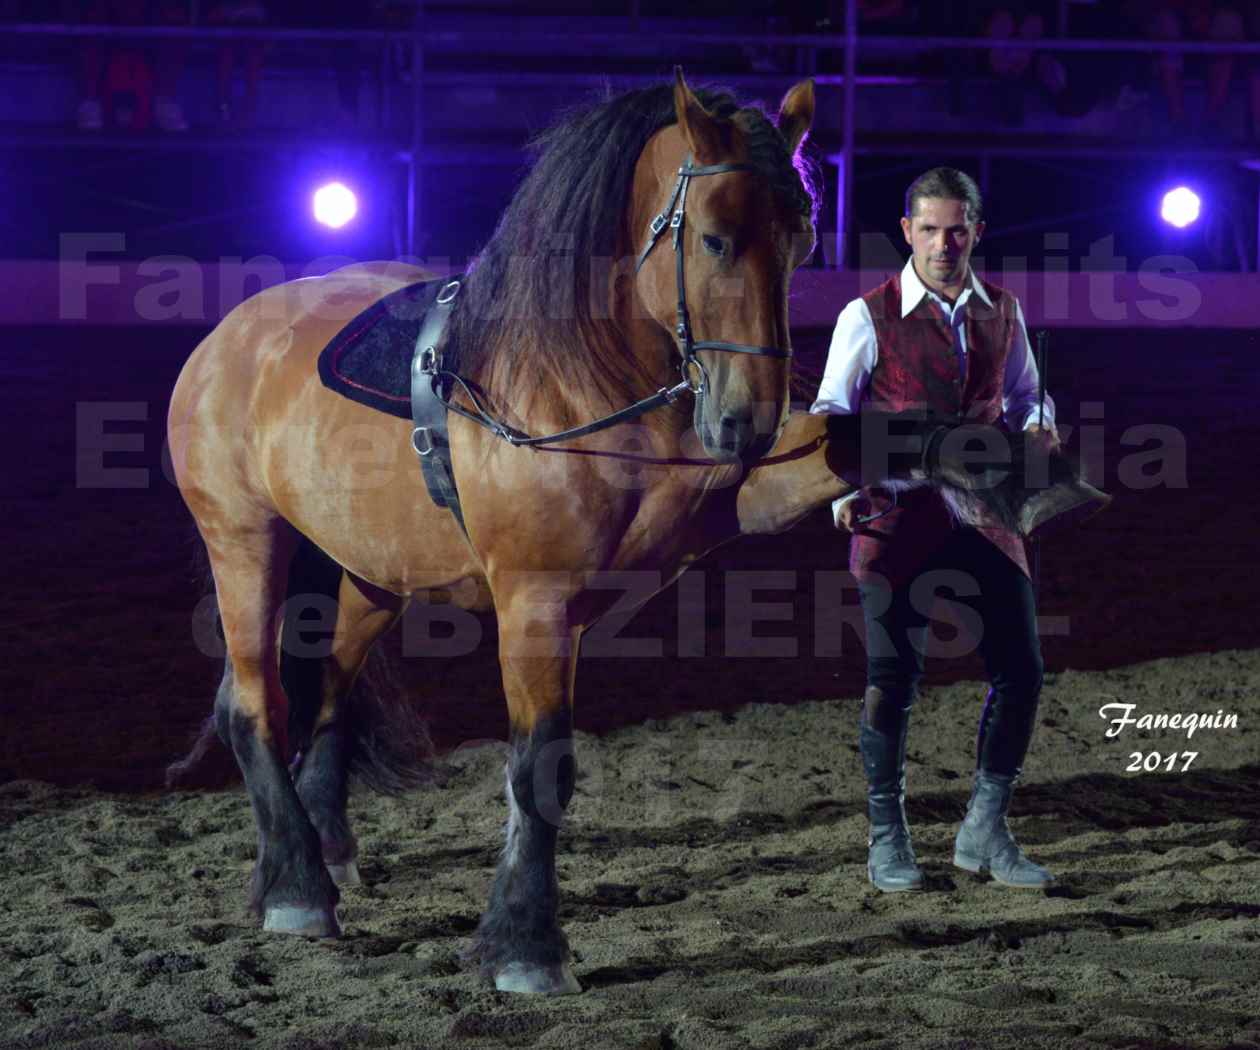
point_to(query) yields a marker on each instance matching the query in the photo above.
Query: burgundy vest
(916, 368)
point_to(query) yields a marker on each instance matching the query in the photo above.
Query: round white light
(335, 205)
(1180, 207)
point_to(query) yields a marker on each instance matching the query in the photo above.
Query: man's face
(941, 239)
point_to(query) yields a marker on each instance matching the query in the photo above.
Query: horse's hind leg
(291, 888)
(364, 613)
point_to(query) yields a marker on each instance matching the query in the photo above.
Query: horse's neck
(805, 470)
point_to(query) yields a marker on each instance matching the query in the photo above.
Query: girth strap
(428, 408)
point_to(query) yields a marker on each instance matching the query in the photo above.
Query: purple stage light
(1180, 207)
(335, 204)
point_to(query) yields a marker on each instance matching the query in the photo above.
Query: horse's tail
(198, 763)
(389, 748)
(391, 751)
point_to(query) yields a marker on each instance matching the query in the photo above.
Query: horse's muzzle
(734, 438)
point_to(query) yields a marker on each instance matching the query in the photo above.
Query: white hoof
(346, 874)
(303, 922)
(537, 980)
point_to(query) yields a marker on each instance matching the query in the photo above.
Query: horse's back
(264, 352)
(295, 318)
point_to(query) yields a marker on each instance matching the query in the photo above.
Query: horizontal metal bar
(193, 142)
(918, 145)
(434, 155)
(452, 79)
(877, 44)
(485, 40)
(53, 29)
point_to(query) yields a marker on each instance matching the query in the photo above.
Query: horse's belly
(346, 477)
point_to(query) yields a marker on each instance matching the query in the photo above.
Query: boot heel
(984, 843)
(968, 863)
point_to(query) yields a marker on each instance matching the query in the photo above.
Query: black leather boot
(985, 842)
(890, 864)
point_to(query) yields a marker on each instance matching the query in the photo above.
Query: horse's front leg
(519, 944)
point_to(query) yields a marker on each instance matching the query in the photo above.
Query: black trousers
(996, 602)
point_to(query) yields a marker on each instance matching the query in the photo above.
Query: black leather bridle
(429, 374)
(693, 370)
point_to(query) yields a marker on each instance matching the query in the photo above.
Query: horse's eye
(714, 245)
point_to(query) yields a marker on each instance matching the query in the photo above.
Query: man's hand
(1044, 439)
(858, 507)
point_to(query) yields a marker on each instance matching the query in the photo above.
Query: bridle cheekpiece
(673, 217)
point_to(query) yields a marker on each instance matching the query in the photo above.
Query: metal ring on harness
(427, 438)
(694, 375)
(448, 292)
(868, 518)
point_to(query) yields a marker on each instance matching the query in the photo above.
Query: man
(939, 340)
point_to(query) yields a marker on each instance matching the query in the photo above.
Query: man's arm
(1021, 389)
(850, 362)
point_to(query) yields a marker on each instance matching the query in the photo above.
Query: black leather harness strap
(428, 407)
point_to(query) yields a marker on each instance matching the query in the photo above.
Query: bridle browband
(694, 375)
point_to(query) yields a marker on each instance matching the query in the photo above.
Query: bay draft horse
(270, 462)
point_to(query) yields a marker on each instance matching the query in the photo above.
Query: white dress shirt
(853, 355)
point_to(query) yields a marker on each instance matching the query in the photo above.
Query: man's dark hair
(949, 184)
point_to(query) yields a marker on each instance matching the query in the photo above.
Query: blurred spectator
(1192, 20)
(132, 84)
(1119, 77)
(1031, 21)
(242, 112)
(880, 17)
(888, 17)
(343, 55)
(348, 58)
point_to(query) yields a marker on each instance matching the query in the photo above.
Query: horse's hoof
(537, 980)
(303, 922)
(1060, 506)
(346, 874)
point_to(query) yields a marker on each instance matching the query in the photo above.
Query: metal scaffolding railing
(426, 38)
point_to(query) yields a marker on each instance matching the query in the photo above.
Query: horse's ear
(796, 114)
(699, 128)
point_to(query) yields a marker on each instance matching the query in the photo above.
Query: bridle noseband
(692, 369)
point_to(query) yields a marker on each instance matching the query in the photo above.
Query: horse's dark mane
(531, 303)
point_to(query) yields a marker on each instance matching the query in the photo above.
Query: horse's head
(718, 277)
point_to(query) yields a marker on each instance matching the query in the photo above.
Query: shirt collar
(913, 290)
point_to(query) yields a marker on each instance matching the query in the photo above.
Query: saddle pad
(369, 361)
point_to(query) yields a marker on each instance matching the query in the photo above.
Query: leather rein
(694, 376)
